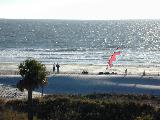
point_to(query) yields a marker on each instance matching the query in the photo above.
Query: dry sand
(12, 69)
(10, 93)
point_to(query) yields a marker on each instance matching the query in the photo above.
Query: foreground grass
(12, 115)
(88, 107)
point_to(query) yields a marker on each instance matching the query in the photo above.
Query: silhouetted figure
(125, 71)
(57, 65)
(84, 72)
(54, 67)
(144, 73)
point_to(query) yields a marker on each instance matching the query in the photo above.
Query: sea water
(80, 42)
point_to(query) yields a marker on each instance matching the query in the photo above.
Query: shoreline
(12, 69)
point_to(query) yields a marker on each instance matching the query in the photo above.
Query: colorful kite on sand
(114, 57)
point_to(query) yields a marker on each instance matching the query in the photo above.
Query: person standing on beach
(144, 73)
(57, 65)
(126, 72)
(54, 67)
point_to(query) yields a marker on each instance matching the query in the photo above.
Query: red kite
(113, 57)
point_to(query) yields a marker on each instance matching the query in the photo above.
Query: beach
(12, 69)
(134, 82)
(79, 46)
(11, 93)
(84, 84)
(83, 49)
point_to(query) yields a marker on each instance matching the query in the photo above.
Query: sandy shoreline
(74, 70)
(12, 69)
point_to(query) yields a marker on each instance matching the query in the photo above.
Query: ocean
(80, 42)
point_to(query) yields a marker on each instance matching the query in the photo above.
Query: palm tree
(33, 76)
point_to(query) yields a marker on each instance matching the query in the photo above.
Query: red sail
(113, 58)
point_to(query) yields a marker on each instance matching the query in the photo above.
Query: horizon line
(80, 19)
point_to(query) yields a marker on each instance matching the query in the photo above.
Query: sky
(80, 9)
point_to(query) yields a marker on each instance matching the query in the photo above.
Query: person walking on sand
(54, 67)
(57, 65)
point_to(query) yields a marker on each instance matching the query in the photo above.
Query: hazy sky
(80, 9)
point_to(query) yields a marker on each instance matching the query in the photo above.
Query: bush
(91, 107)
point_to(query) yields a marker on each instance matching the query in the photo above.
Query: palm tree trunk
(30, 111)
(42, 90)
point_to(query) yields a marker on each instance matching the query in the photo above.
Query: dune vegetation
(85, 107)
